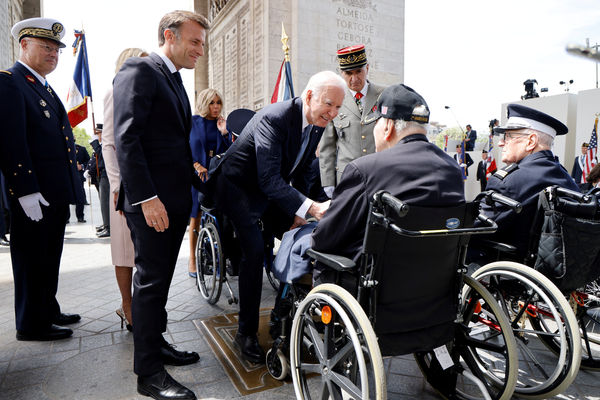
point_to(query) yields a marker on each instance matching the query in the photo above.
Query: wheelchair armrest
(502, 247)
(339, 263)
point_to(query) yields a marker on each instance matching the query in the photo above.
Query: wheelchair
(410, 294)
(218, 256)
(560, 310)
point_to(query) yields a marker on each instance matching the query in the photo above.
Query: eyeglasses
(507, 137)
(48, 49)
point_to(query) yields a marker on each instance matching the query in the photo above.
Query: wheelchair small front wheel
(210, 263)
(277, 364)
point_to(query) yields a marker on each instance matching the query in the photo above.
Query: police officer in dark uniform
(37, 156)
(82, 157)
(526, 140)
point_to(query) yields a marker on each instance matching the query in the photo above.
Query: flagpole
(284, 46)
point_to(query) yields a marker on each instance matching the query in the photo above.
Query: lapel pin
(30, 78)
(42, 103)
(47, 113)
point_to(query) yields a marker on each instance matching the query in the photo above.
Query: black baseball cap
(400, 102)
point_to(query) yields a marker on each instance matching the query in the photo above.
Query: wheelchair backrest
(418, 278)
(565, 238)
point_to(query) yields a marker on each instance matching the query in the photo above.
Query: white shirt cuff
(143, 201)
(304, 208)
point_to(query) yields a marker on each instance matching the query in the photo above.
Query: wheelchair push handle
(572, 203)
(491, 197)
(398, 206)
(507, 201)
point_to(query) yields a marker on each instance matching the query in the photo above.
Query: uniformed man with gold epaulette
(350, 135)
(526, 142)
(37, 156)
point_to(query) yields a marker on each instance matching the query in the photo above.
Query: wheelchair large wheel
(210, 263)
(586, 303)
(481, 361)
(538, 312)
(332, 337)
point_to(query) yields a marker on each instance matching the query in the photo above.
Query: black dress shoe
(100, 228)
(80, 220)
(162, 386)
(250, 348)
(66, 319)
(52, 333)
(4, 242)
(170, 356)
(103, 233)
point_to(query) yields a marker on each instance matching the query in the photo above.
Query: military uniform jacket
(348, 136)
(414, 170)
(37, 150)
(523, 182)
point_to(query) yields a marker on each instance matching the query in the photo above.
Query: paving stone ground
(96, 363)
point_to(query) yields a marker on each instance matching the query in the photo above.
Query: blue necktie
(303, 146)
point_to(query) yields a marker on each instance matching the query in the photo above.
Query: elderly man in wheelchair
(541, 255)
(402, 263)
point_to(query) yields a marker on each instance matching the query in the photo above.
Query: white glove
(31, 205)
(86, 175)
(463, 165)
(328, 190)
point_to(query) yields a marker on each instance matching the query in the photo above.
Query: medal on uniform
(42, 103)
(47, 113)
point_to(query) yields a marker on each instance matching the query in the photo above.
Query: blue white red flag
(491, 161)
(591, 157)
(284, 87)
(81, 88)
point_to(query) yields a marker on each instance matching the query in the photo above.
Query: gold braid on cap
(43, 33)
(353, 59)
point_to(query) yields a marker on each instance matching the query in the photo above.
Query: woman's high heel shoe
(124, 320)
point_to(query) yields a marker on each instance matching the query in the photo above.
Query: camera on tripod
(530, 92)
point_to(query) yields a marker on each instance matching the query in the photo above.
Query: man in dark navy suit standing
(269, 167)
(152, 122)
(37, 157)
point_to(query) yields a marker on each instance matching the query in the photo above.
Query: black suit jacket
(469, 162)
(37, 149)
(414, 170)
(152, 123)
(261, 161)
(83, 158)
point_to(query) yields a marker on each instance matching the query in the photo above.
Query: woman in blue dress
(208, 138)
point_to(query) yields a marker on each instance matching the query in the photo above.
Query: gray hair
(321, 80)
(401, 125)
(173, 20)
(544, 140)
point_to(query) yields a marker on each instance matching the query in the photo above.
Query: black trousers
(155, 259)
(35, 250)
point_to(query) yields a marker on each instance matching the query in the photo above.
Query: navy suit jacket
(261, 161)
(523, 183)
(152, 123)
(414, 170)
(37, 149)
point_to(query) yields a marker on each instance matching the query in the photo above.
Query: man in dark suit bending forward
(269, 167)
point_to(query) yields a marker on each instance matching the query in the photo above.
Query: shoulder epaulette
(504, 172)
(5, 72)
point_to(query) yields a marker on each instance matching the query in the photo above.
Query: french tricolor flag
(284, 88)
(81, 88)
